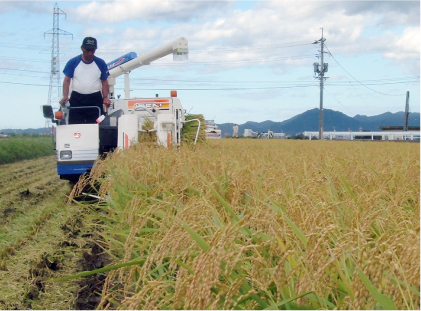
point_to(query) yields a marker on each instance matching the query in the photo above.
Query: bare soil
(42, 238)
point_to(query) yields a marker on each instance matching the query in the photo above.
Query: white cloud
(25, 6)
(109, 31)
(150, 10)
(406, 46)
(215, 33)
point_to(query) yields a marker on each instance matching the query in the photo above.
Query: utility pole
(405, 125)
(54, 92)
(320, 70)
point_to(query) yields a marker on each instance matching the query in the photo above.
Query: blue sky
(248, 60)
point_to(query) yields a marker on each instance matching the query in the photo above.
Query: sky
(248, 60)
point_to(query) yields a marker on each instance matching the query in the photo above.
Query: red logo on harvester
(118, 62)
(77, 135)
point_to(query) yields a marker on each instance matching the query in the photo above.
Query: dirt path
(41, 237)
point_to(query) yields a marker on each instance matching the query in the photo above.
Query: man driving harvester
(87, 76)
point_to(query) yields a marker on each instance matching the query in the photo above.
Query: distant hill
(306, 121)
(332, 120)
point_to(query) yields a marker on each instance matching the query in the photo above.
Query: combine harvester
(78, 146)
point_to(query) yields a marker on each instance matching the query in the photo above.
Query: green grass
(17, 148)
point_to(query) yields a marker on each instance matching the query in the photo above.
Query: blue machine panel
(73, 169)
(121, 60)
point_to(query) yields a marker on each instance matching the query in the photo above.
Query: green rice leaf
(196, 237)
(278, 209)
(348, 188)
(285, 301)
(105, 269)
(222, 201)
(385, 302)
(412, 289)
(182, 264)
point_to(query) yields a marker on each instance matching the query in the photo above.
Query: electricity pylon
(54, 92)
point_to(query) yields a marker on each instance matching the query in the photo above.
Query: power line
(356, 79)
(25, 75)
(336, 100)
(252, 47)
(411, 79)
(149, 81)
(209, 49)
(24, 70)
(384, 83)
(32, 60)
(19, 83)
(374, 82)
(259, 60)
(194, 89)
(231, 88)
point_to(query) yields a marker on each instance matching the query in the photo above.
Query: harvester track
(36, 244)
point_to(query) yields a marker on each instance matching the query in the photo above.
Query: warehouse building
(384, 135)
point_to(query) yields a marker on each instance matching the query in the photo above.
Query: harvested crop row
(16, 168)
(262, 224)
(41, 238)
(30, 179)
(22, 194)
(16, 171)
(12, 176)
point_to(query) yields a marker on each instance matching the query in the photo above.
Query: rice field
(261, 224)
(18, 148)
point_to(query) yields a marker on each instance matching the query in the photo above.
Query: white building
(385, 135)
(249, 133)
(269, 134)
(212, 130)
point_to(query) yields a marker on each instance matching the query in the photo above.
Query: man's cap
(89, 43)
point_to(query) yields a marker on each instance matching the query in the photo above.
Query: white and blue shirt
(86, 77)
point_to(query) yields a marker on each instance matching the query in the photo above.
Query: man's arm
(66, 87)
(104, 88)
(106, 101)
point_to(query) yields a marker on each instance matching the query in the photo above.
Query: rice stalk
(263, 224)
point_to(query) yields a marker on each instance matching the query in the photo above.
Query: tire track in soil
(24, 182)
(15, 170)
(42, 238)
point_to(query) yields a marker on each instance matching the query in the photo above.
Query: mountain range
(307, 121)
(332, 121)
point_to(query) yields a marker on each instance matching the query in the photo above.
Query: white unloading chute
(178, 47)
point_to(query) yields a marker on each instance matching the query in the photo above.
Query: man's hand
(64, 100)
(106, 102)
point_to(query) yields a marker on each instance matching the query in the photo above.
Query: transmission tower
(320, 70)
(54, 92)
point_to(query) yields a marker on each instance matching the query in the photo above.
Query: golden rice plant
(147, 135)
(262, 224)
(188, 133)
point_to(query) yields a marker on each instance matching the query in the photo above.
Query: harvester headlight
(65, 155)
